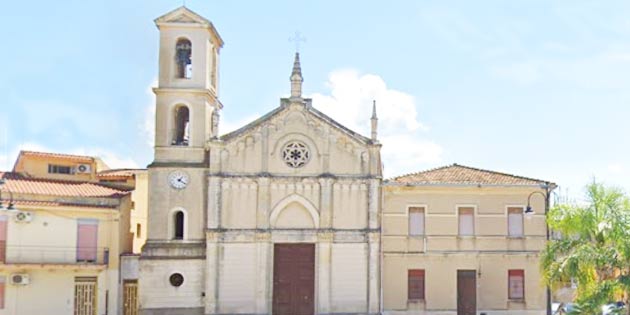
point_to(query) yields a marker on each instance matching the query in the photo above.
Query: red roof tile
(20, 184)
(59, 203)
(464, 175)
(124, 172)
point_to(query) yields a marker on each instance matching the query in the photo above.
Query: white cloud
(616, 168)
(350, 103)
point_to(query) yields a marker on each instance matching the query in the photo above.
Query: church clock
(178, 179)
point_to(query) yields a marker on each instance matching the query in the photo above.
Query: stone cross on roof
(297, 38)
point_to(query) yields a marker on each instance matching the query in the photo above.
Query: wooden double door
(466, 292)
(294, 279)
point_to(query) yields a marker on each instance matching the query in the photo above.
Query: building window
(183, 56)
(415, 284)
(85, 289)
(416, 221)
(87, 240)
(515, 221)
(179, 225)
(516, 284)
(59, 169)
(138, 230)
(466, 217)
(182, 126)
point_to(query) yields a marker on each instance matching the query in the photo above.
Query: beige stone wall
(164, 201)
(441, 252)
(140, 211)
(157, 292)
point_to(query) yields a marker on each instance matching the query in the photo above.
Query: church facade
(283, 216)
(279, 215)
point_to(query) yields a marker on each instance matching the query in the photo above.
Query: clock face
(178, 179)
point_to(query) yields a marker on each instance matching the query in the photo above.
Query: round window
(296, 154)
(176, 279)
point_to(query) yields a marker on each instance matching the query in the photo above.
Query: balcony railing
(54, 255)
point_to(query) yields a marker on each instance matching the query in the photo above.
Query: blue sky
(536, 88)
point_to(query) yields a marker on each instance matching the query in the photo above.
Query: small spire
(296, 78)
(374, 109)
(374, 121)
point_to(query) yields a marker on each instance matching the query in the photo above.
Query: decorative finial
(296, 78)
(374, 121)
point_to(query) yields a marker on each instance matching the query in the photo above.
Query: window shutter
(516, 284)
(415, 284)
(466, 221)
(87, 240)
(515, 221)
(416, 221)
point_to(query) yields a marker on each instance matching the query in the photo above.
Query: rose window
(295, 154)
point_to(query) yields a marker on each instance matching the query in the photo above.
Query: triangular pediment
(308, 111)
(182, 15)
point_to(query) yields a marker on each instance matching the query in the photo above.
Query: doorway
(294, 279)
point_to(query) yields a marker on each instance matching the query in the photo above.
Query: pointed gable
(311, 112)
(183, 16)
(464, 175)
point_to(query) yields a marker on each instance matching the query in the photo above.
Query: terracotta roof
(465, 175)
(20, 184)
(123, 172)
(76, 158)
(41, 203)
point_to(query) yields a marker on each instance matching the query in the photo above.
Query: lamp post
(529, 210)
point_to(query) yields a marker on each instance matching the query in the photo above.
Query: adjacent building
(62, 232)
(456, 240)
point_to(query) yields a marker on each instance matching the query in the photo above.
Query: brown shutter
(516, 284)
(415, 284)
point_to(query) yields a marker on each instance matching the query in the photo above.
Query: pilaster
(324, 276)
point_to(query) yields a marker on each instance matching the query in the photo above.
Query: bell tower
(186, 118)
(187, 105)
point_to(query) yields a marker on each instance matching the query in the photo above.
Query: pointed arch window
(183, 56)
(178, 225)
(182, 126)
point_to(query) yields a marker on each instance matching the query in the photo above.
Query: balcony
(54, 256)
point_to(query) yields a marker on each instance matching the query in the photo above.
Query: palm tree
(594, 250)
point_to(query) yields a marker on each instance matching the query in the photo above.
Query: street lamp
(529, 210)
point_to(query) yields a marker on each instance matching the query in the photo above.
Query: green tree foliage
(594, 250)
